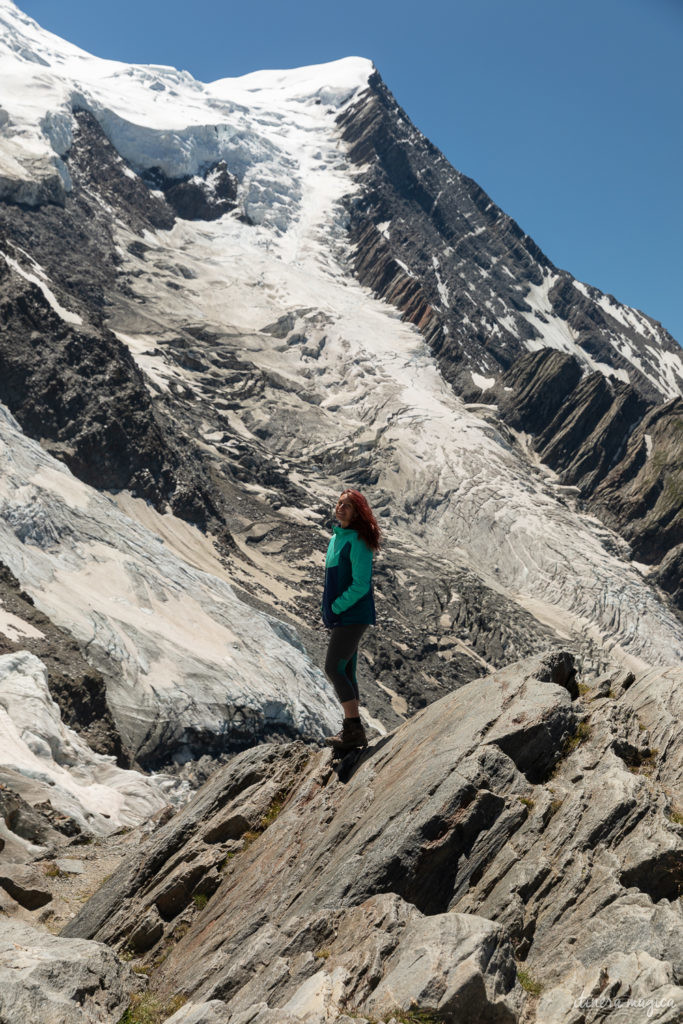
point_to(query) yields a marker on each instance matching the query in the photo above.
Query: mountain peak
(332, 83)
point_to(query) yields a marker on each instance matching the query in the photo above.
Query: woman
(348, 606)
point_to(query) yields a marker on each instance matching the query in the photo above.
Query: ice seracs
(189, 667)
(48, 761)
(155, 116)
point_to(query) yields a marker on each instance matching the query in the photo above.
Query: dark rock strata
(76, 387)
(623, 454)
(205, 197)
(431, 242)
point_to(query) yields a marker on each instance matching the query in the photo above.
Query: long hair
(364, 522)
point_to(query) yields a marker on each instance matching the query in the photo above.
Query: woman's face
(344, 512)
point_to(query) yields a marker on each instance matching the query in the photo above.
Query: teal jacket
(348, 596)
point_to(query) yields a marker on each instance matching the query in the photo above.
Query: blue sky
(568, 114)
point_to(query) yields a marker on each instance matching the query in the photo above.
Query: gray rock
(656, 699)
(69, 866)
(456, 964)
(490, 828)
(52, 980)
(181, 858)
(423, 813)
(213, 1012)
(625, 988)
(26, 884)
(148, 931)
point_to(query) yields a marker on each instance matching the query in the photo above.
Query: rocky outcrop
(642, 496)
(149, 894)
(79, 391)
(52, 980)
(201, 197)
(501, 831)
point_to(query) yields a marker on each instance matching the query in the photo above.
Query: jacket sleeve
(361, 570)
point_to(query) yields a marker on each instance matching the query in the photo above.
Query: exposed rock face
(205, 197)
(52, 980)
(430, 241)
(184, 857)
(642, 493)
(454, 814)
(68, 380)
(623, 454)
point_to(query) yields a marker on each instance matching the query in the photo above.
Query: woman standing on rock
(348, 606)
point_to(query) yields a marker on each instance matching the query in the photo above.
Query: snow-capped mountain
(219, 305)
(234, 299)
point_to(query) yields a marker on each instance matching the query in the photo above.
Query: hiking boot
(352, 735)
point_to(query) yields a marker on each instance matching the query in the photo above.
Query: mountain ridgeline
(430, 241)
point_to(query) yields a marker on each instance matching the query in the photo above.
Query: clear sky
(569, 114)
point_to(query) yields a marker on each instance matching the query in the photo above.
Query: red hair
(364, 522)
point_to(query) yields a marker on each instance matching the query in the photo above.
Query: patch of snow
(67, 315)
(15, 628)
(483, 382)
(509, 324)
(150, 359)
(556, 333)
(442, 288)
(404, 266)
(664, 367)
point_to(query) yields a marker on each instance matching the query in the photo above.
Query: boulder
(53, 980)
(458, 965)
(26, 884)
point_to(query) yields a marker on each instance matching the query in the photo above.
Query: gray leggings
(340, 663)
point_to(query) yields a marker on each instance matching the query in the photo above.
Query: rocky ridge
(430, 241)
(508, 852)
